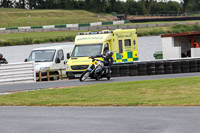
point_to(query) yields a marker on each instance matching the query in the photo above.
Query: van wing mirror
(57, 60)
(25, 60)
(68, 55)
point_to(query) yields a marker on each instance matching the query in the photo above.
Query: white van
(49, 58)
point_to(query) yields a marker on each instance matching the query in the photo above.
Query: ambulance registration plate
(77, 75)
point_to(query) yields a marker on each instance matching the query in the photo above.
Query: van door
(61, 65)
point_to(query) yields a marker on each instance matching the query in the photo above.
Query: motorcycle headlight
(67, 67)
(44, 68)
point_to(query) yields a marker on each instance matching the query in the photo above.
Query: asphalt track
(99, 120)
(67, 83)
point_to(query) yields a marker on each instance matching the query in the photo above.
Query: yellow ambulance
(123, 43)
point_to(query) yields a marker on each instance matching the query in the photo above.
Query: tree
(185, 5)
(99, 5)
(113, 5)
(69, 4)
(6, 3)
(87, 4)
(63, 4)
(146, 5)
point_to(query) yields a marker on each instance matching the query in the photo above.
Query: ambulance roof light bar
(96, 32)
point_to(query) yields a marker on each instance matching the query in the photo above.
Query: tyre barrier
(142, 68)
(151, 70)
(168, 67)
(156, 67)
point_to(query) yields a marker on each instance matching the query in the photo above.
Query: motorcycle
(96, 70)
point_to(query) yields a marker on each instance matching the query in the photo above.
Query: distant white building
(180, 45)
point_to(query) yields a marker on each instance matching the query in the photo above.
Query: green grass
(36, 37)
(23, 17)
(165, 92)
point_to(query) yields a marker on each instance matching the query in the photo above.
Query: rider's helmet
(109, 54)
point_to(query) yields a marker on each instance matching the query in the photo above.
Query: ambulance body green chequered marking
(126, 56)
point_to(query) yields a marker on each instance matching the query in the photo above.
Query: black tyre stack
(133, 70)
(168, 67)
(176, 65)
(142, 68)
(124, 70)
(185, 67)
(159, 67)
(198, 64)
(115, 71)
(193, 65)
(151, 68)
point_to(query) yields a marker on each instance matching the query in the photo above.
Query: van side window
(120, 46)
(106, 48)
(127, 42)
(60, 55)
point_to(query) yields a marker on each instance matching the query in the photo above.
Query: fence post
(48, 75)
(40, 76)
(61, 74)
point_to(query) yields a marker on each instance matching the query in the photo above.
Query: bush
(185, 28)
(27, 41)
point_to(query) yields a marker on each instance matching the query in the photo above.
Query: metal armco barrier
(187, 65)
(17, 72)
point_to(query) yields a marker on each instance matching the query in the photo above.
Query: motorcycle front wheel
(84, 75)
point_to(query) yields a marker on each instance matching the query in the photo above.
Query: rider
(108, 61)
(2, 60)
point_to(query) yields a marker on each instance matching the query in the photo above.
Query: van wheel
(56, 77)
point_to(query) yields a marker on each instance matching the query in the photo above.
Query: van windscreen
(87, 50)
(42, 55)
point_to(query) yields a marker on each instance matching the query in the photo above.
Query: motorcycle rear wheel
(84, 76)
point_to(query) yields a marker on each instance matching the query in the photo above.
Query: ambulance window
(120, 46)
(106, 48)
(127, 42)
(60, 55)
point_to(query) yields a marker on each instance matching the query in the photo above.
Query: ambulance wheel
(84, 76)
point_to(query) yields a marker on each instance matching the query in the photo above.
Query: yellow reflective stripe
(125, 55)
(130, 59)
(135, 54)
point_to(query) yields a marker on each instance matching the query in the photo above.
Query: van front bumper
(73, 74)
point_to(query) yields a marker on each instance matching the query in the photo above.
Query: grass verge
(36, 38)
(24, 17)
(164, 92)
